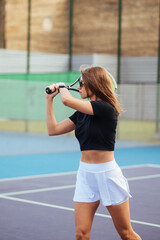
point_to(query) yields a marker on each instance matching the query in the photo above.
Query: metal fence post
(157, 133)
(70, 34)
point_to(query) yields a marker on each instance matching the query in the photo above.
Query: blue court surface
(37, 181)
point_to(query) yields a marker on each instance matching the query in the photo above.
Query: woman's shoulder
(103, 108)
(102, 104)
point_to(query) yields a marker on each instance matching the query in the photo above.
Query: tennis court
(37, 186)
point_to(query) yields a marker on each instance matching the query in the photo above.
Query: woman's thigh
(121, 216)
(84, 214)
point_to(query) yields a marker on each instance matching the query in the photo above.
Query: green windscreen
(23, 96)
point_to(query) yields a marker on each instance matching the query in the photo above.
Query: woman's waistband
(98, 167)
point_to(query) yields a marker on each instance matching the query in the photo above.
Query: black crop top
(98, 131)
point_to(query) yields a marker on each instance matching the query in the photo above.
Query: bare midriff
(96, 156)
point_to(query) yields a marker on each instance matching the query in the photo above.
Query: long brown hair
(98, 81)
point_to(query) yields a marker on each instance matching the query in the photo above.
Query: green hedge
(43, 77)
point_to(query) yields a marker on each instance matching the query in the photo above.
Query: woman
(99, 178)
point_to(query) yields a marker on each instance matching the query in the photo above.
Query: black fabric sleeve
(101, 108)
(73, 117)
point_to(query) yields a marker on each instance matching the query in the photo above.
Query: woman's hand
(55, 89)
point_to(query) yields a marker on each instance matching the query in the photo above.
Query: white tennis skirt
(102, 181)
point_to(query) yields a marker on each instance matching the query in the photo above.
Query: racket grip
(49, 91)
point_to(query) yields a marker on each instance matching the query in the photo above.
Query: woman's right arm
(53, 127)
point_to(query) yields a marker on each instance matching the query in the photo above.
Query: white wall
(14, 61)
(139, 69)
(139, 101)
(133, 69)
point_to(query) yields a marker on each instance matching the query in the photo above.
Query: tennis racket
(69, 87)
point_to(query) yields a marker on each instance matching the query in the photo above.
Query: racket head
(113, 82)
(112, 79)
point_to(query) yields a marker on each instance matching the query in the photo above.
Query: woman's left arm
(77, 104)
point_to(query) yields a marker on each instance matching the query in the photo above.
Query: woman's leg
(84, 214)
(121, 218)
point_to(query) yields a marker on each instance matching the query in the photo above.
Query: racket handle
(49, 91)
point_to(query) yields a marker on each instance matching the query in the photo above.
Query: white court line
(69, 173)
(38, 190)
(70, 186)
(135, 166)
(133, 221)
(38, 176)
(70, 209)
(36, 203)
(153, 165)
(144, 177)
